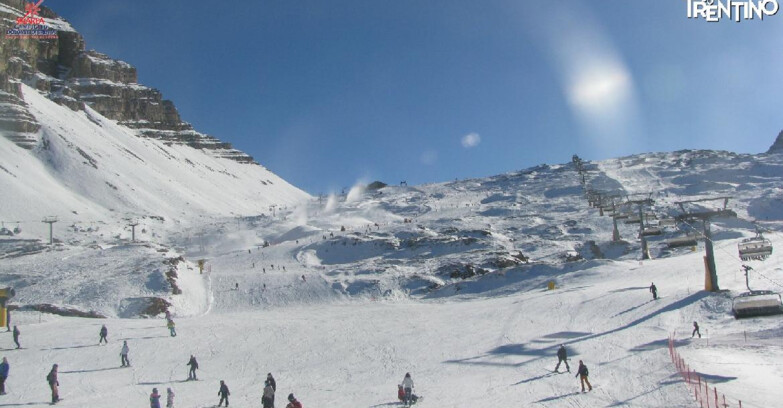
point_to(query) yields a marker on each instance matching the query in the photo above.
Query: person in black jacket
(104, 332)
(223, 393)
(16, 337)
(51, 378)
(562, 357)
(695, 330)
(193, 367)
(582, 373)
(654, 291)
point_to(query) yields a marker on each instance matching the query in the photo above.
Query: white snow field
(340, 296)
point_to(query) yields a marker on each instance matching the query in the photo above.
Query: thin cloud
(471, 140)
(429, 157)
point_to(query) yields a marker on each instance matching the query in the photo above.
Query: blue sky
(329, 93)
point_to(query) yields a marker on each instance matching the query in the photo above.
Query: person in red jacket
(292, 402)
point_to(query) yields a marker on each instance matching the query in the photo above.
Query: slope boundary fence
(706, 396)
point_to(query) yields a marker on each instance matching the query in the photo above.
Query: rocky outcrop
(72, 76)
(16, 122)
(777, 147)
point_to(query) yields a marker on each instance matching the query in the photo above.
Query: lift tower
(711, 284)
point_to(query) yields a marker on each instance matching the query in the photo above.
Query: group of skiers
(581, 372)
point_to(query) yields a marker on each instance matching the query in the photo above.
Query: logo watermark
(714, 11)
(31, 25)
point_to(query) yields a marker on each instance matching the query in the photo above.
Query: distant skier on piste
(268, 399)
(4, 368)
(54, 385)
(103, 333)
(407, 385)
(169, 398)
(16, 337)
(292, 402)
(154, 399)
(695, 330)
(582, 373)
(193, 367)
(223, 393)
(124, 354)
(654, 291)
(171, 326)
(562, 357)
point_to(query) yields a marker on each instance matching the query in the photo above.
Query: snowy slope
(88, 168)
(340, 315)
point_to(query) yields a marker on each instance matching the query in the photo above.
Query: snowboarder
(3, 374)
(169, 398)
(16, 337)
(193, 367)
(223, 392)
(292, 402)
(104, 332)
(695, 330)
(172, 330)
(154, 399)
(562, 357)
(582, 373)
(407, 385)
(124, 354)
(654, 291)
(51, 378)
(268, 399)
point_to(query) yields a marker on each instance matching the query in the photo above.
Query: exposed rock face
(72, 76)
(777, 147)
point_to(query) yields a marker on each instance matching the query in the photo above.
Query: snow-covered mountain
(339, 296)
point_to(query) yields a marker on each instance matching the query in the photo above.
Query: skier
(193, 367)
(407, 385)
(582, 373)
(124, 354)
(271, 381)
(169, 398)
(154, 399)
(170, 325)
(223, 392)
(292, 402)
(654, 291)
(695, 330)
(268, 399)
(400, 393)
(16, 337)
(104, 332)
(562, 357)
(3, 374)
(51, 378)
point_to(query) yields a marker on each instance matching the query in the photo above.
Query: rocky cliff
(67, 73)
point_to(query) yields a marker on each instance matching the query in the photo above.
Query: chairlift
(685, 241)
(757, 248)
(17, 229)
(667, 221)
(650, 230)
(756, 302)
(633, 219)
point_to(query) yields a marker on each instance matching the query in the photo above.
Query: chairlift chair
(687, 240)
(756, 302)
(17, 229)
(650, 230)
(757, 248)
